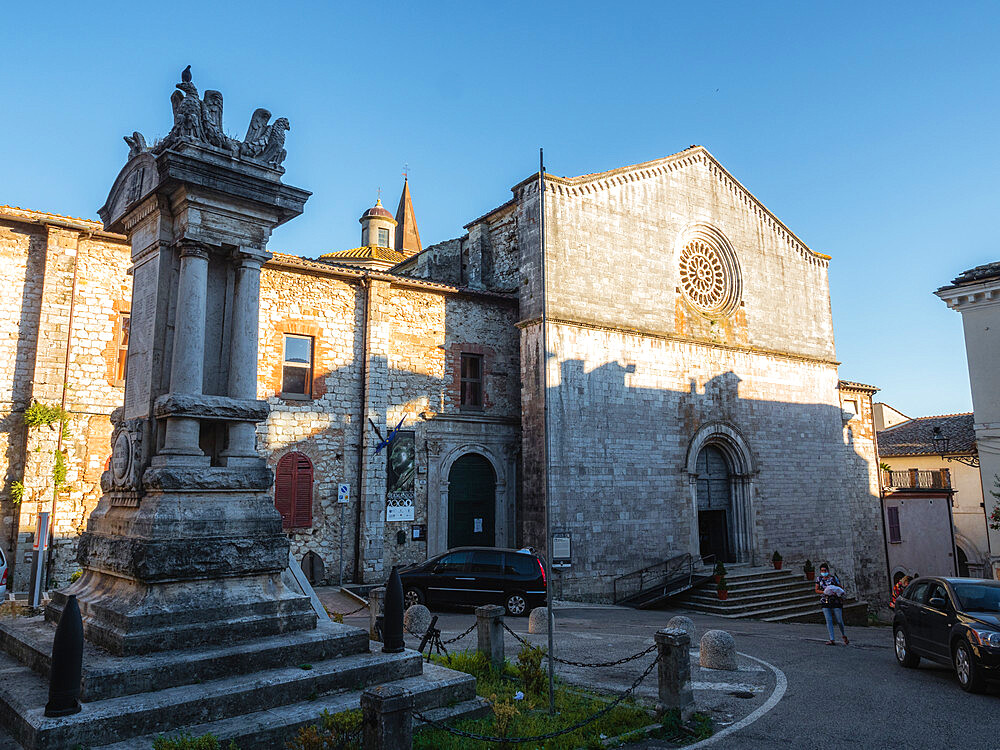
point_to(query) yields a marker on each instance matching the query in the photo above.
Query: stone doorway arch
(719, 459)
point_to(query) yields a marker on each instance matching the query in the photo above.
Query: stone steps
(760, 593)
(159, 711)
(710, 602)
(260, 687)
(105, 676)
(453, 691)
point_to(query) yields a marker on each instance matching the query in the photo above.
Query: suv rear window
(522, 565)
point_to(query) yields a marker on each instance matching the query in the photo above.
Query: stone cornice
(683, 340)
(959, 296)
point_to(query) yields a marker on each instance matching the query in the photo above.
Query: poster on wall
(401, 467)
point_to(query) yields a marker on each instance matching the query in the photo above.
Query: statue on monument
(200, 121)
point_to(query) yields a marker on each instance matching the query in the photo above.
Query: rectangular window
(296, 375)
(124, 320)
(383, 238)
(472, 381)
(364, 237)
(893, 515)
(852, 406)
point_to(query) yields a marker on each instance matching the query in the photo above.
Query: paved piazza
(867, 699)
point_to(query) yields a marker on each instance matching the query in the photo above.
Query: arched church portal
(715, 504)
(472, 502)
(720, 469)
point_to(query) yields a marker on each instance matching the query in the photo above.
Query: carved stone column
(242, 447)
(187, 370)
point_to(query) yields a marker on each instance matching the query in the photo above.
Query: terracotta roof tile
(916, 436)
(366, 253)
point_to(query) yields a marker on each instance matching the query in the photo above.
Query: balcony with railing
(913, 479)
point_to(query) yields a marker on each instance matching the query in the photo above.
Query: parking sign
(343, 493)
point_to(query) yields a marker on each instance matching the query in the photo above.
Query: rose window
(709, 277)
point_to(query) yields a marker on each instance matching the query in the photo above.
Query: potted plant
(719, 572)
(722, 589)
(809, 570)
(776, 558)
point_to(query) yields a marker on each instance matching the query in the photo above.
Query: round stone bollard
(416, 619)
(538, 620)
(718, 650)
(681, 622)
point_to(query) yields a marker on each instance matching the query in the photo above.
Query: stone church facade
(692, 390)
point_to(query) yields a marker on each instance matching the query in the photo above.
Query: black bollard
(67, 662)
(392, 611)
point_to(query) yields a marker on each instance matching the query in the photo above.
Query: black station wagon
(954, 621)
(473, 576)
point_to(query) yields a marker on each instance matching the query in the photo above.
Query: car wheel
(904, 656)
(968, 672)
(412, 596)
(516, 605)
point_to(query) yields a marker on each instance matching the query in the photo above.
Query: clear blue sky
(869, 128)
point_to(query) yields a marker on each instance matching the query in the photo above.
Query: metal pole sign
(38, 550)
(343, 498)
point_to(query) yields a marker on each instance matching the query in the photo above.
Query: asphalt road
(837, 696)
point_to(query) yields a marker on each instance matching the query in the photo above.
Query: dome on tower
(378, 211)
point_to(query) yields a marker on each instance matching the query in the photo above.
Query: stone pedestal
(673, 647)
(489, 629)
(387, 722)
(186, 546)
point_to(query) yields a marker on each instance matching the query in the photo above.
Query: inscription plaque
(138, 379)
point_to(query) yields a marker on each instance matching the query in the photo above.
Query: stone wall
(60, 269)
(640, 379)
(627, 414)
(415, 333)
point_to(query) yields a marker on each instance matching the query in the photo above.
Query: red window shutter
(284, 482)
(303, 504)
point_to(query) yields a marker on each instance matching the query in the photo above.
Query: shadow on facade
(25, 355)
(629, 479)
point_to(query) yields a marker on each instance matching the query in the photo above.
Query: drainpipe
(62, 401)
(366, 290)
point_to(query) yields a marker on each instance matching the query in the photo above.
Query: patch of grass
(186, 741)
(529, 716)
(340, 730)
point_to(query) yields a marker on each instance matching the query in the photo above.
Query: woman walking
(832, 600)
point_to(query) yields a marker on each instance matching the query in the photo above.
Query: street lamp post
(941, 443)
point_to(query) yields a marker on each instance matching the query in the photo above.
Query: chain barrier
(540, 738)
(346, 614)
(615, 663)
(460, 636)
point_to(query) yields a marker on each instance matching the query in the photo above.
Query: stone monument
(191, 616)
(185, 546)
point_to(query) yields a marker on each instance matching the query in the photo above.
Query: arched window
(293, 490)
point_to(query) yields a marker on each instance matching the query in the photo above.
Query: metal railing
(913, 479)
(675, 571)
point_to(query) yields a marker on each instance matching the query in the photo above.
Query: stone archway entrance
(714, 504)
(721, 472)
(472, 502)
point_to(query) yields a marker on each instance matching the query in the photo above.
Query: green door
(471, 502)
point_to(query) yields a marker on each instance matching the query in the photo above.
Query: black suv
(954, 621)
(475, 576)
